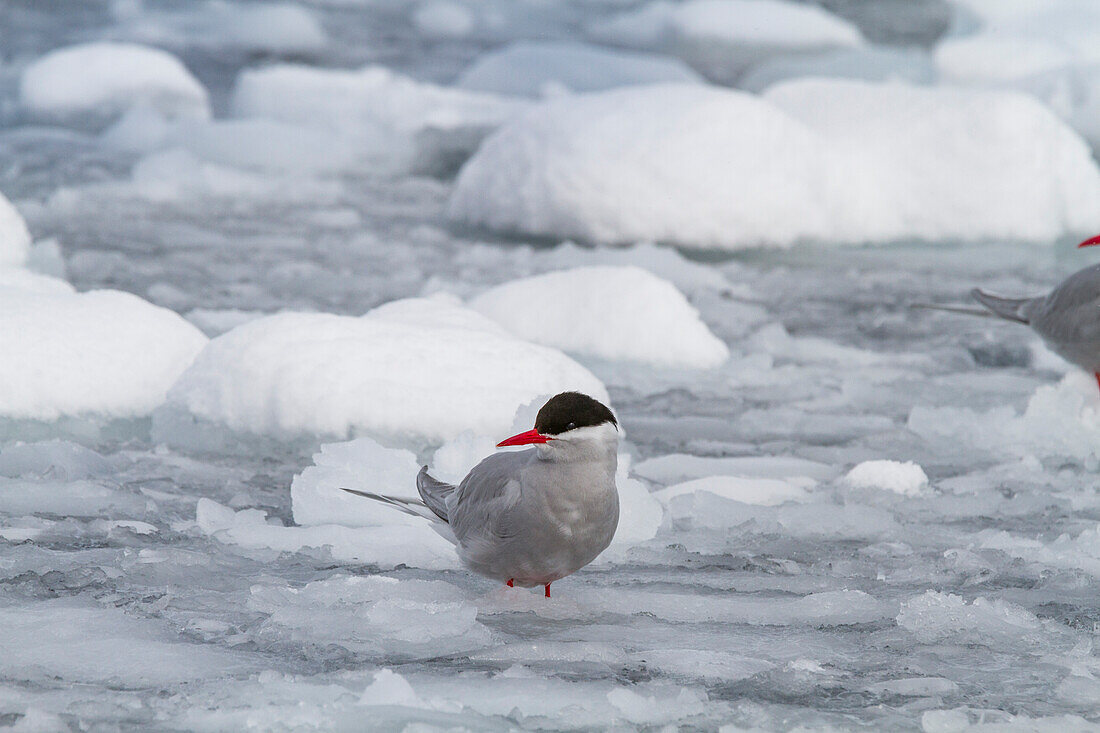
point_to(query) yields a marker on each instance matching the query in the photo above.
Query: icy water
(972, 599)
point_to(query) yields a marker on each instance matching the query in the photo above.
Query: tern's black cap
(570, 410)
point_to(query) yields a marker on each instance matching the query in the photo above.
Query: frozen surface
(832, 161)
(174, 573)
(109, 78)
(606, 312)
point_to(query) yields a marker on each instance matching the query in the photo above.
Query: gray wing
(434, 493)
(1071, 313)
(480, 509)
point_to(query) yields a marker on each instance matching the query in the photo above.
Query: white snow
(410, 370)
(109, 78)
(905, 478)
(831, 161)
(606, 312)
(102, 352)
(538, 68)
(723, 37)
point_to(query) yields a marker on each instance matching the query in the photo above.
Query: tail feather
(434, 493)
(412, 507)
(953, 309)
(1011, 309)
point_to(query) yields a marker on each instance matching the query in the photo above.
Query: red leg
(547, 590)
(510, 582)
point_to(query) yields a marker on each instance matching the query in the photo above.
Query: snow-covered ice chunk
(106, 79)
(607, 312)
(389, 688)
(991, 58)
(372, 615)
(397, 543)
(723, 37)
(905, 478)
(763, 491)
(826, 160)
(412, 370)
(103, 352)
(15, 240)
(360, 464)
(534, 68)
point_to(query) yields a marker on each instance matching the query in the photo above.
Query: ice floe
(606, 312)
(103, 353)
(906, 478)
(411, 370)
(822, 160)
(106, 79)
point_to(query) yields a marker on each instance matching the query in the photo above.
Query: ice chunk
(103, 352)
(275, 28)
(989, 58)
(532, 68)
(359, 464)
(55, 459)
(712, 168)
(106, 79)
(676, 467)
(398, 543)
(81, 498)
(763, 491)
(375, 615)
(70, 641)
(443, 19)
(933, 616)
(905, 478)
(389, 688)
(640, 513)
(723, 37)
(412, 370)
(607, 312)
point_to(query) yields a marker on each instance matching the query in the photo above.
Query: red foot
(510, 582)
(1097, 374)
(547, 590)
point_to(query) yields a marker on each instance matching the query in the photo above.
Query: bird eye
(570, 426)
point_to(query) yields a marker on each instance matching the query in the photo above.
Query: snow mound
(103, 352)
(825, 160)
(762, 491)
(106, 79)
(411, 370)
(905, 478)
(360, 464)
(374, 108)
(607, 312)
(722, 38)
(533, 68)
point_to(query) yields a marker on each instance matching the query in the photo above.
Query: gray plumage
(1067, 319)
